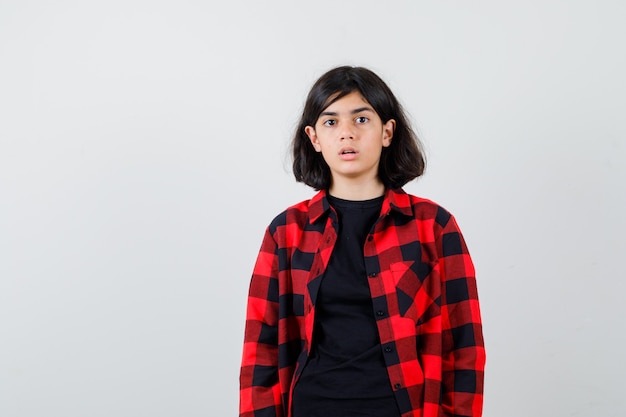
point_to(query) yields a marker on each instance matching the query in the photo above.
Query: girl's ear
(310, 132)
(388, 129)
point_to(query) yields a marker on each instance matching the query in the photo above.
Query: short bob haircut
(402, 161)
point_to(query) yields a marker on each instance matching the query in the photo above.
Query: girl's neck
(357, 191)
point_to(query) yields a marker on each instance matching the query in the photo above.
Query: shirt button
(372, 274)
(370, 238)
(380, 313)
(397, 386)
(388, 349)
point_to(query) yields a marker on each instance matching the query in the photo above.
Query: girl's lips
(348, 154)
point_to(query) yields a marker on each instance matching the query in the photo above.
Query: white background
(144, 148)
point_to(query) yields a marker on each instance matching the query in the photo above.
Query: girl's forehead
(343, 97)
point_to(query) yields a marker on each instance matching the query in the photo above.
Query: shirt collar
(396, 200)
(318, 206)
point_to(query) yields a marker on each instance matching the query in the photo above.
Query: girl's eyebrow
(355, 111)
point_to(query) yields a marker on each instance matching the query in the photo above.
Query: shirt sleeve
(260, 393)
(463, 352)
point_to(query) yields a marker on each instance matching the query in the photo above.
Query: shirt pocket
(413, 295)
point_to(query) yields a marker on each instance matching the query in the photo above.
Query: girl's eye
(329, 122)
(362, 119)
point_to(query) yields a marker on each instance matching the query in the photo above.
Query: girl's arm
(463, 352)
(259, 386)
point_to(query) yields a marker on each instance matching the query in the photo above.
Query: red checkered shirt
(424, 299)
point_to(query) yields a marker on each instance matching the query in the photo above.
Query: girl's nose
(347, 132)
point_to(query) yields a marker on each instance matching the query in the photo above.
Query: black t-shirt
(346, 375)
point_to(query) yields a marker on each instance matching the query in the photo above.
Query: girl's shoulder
(297, 215)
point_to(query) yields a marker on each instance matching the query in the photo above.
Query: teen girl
(363, 299)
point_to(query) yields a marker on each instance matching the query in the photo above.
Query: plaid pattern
(425, 302)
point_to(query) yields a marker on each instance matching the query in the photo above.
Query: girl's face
(350, 135)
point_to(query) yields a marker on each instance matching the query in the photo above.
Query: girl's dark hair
(402, 161)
